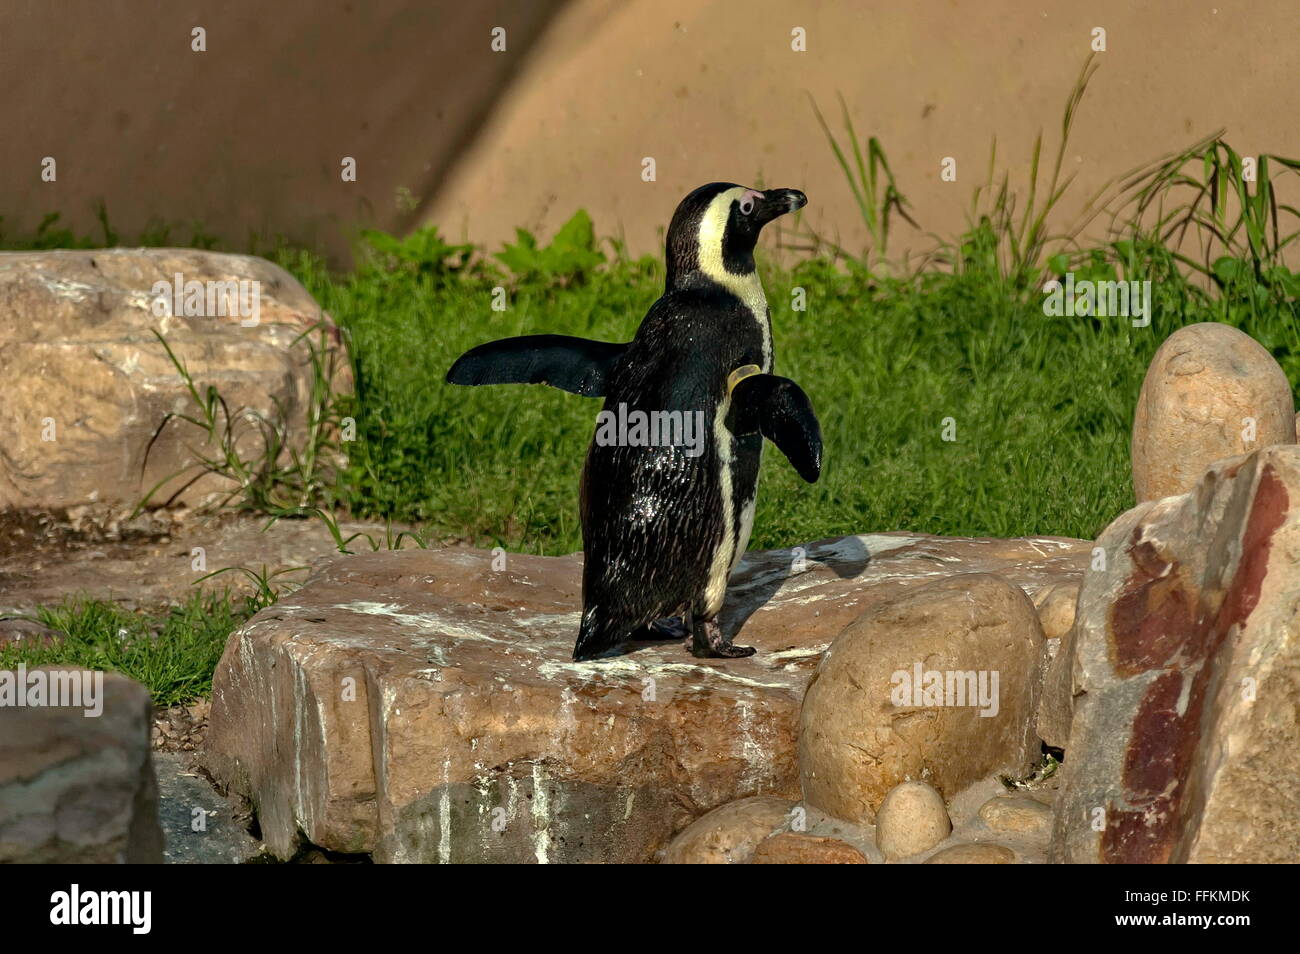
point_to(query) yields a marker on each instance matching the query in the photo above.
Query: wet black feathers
(653, 517)
(779, 409)
(576, 365)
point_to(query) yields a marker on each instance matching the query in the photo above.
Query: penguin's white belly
(720, 566)
(757, 305)
(734, 539)
(735, 534)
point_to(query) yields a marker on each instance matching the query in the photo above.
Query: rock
(401, 703)
(1189, 667)
(729, 835)
(978, 854)
(90, 385)
(1205, 385)
(27, 632)
(181, 728)
(912, 819)
(222, 837)
(793, 848)
(1056, 607)
(76, 789)
(1056, 700)
(1017, 813)
(862, 731)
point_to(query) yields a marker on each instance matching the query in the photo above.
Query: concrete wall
(249, 134)
(713, 90)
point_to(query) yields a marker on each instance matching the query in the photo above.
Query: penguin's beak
(777, 202)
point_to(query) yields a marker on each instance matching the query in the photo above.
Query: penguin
(664, 522)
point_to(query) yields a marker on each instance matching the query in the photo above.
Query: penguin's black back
(652, 517)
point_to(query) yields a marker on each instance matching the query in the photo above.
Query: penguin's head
(715, 229)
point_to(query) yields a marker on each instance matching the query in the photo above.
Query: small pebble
(1017, 813)
(985, 854)
(792, 848)
(912, 819)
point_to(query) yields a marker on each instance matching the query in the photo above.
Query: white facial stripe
(713, 226)
(748, 288)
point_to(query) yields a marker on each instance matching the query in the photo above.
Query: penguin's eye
(746, 205)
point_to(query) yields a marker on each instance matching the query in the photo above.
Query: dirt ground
(149, 562)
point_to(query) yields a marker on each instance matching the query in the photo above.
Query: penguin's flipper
(576, 365)
(779, 409)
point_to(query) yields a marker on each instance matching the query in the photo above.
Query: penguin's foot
(708, 640)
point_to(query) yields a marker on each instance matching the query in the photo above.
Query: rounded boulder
(1210, 392)
(940, 683)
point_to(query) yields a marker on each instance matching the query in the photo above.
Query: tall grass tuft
(872, 183)
(280, 476)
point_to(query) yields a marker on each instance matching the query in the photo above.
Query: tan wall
(712, 90)
(248, 136)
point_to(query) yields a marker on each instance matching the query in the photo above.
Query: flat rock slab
(422, 705)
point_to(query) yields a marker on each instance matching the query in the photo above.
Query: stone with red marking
(1188, 665)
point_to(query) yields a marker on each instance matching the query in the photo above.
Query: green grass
(173, 652)
(1042, 406)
